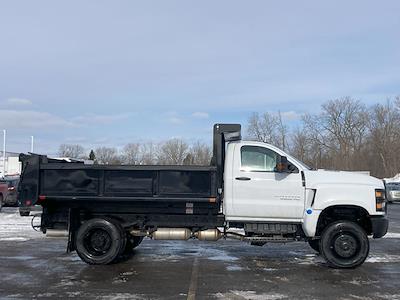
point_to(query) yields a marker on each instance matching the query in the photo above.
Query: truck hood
(317, 177)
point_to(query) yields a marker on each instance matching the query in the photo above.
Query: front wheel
(99, 241)
(314, 244)
(344, 244)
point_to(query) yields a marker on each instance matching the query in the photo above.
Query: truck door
(260, 192)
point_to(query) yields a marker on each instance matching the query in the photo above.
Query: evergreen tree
(92, 156)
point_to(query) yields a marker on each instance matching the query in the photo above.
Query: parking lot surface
(35, 267)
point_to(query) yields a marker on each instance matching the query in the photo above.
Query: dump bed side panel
(108, 184)
(83, 182)
(52, 181)
(128, 183)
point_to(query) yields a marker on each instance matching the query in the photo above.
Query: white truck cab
(264, 187)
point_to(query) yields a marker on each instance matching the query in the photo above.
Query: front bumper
(380, 226)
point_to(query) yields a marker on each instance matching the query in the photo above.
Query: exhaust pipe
(180, 234)
(172, 234)
(56, 233)
(209, 235)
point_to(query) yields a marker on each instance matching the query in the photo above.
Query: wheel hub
(99, 242)
(345, 245)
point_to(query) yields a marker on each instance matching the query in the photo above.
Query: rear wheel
(344, 244)
(314, 244)
(99, 241)
(131, 243)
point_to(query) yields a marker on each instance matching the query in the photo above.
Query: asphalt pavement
(35, 267)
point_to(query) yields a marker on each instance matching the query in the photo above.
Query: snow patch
(175, 251)
(223, 257)
(249, 295)
(387, 296)
(15, 228)
(391, 235)
(234, 268)
(385, 258)
(46, 295)
(359, 282)
(74, 294)
(22, 257)
(120, 296)
(19, 239)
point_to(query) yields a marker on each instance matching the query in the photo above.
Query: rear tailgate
(28, 188)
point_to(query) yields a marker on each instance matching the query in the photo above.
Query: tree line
(345, 135)
(172, 152)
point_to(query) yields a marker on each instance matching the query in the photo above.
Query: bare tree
(262, 128)
(107, 155)
(338, 133)
(173, 152)
(300, 145)
(148, 153)
(131, 154)
(282, 132)
(71, 151)
(384, 126)
(268, 128)
(200, 153)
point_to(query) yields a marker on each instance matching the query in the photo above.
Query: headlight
(380, 197)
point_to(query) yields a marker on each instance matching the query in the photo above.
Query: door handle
(243, 178)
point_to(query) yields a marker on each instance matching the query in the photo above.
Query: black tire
(1, 202)
(344, 244)
(131, 243)
(99, 241)
(122, 233)
(314, 244)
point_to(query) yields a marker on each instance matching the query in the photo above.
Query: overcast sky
(113, 72)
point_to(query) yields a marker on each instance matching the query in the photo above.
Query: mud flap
(73, 225)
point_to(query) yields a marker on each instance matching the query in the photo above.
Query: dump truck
(269, 195)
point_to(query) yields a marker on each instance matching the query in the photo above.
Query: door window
(259, 159)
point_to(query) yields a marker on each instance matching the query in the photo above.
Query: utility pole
(31, 143)
(4, 152)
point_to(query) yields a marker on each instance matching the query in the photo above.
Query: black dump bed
(181, 196)
(52, 182)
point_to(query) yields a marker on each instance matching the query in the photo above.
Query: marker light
(380, 198)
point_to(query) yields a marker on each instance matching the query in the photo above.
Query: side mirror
(282, 164)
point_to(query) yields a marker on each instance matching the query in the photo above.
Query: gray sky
(113, 72)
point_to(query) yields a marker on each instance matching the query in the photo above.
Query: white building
(12, 164)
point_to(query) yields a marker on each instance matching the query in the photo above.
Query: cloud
(18, 101)
(200, 115)
(290, 115)
(76, 139)
(23, 119)
(175, 120)
(89, 119)
(172, 117)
